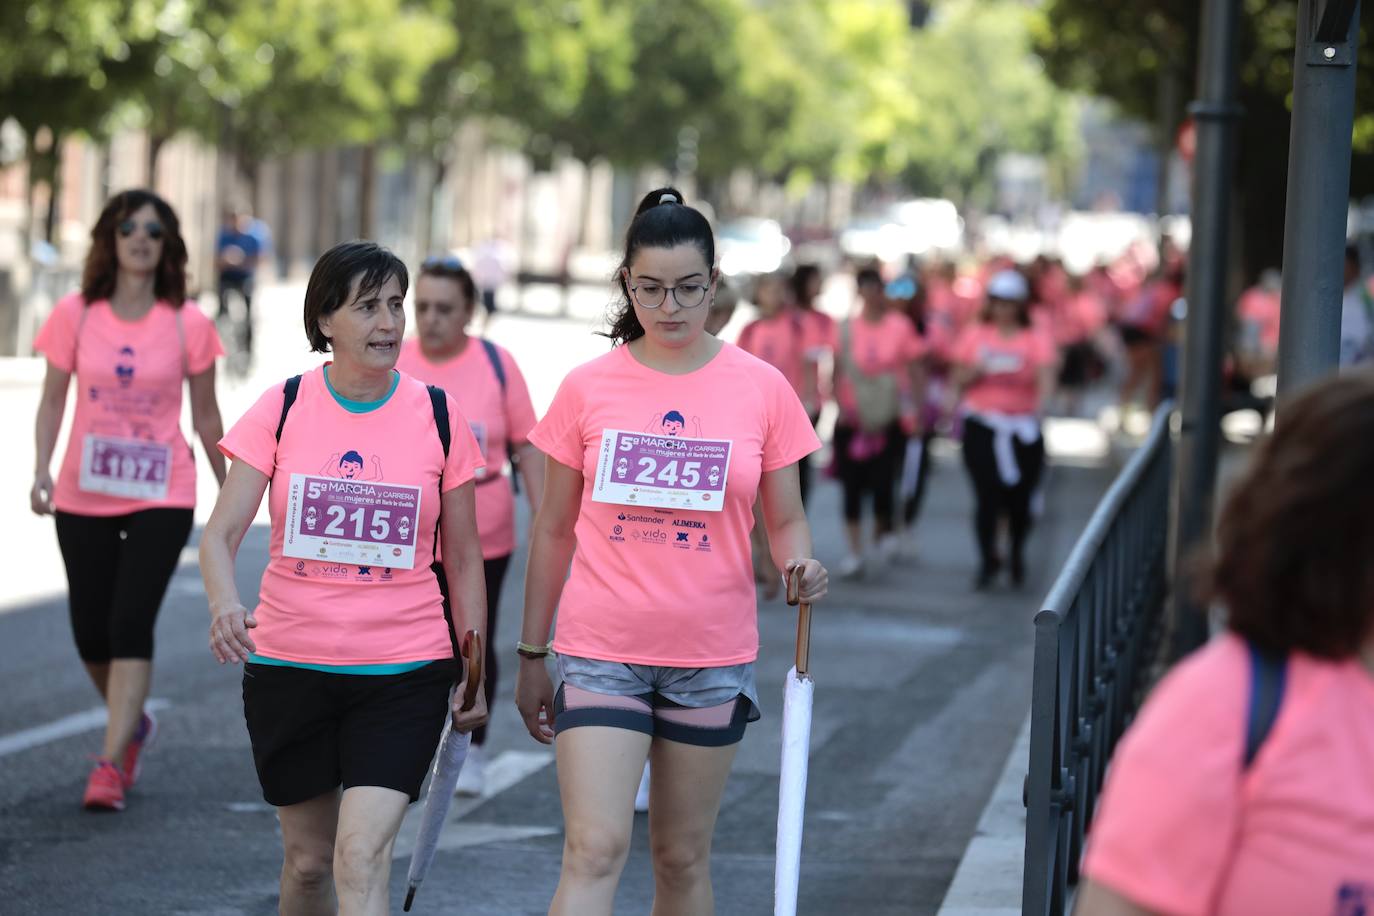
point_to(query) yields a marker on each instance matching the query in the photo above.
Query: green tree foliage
(1123, 49)
(793, 89)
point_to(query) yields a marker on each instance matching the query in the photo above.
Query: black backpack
(437, 400)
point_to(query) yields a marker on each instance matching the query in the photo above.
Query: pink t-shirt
(1008, 367)
(1262, 307)
(1184, 829)
(782, 342)
(327, 612)
(495, 420)
(885, 347)
(669, 587)
(126, 451)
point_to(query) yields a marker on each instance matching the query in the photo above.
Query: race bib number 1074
(661, 472)
(351, 521)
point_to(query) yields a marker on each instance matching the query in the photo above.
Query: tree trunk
(155, 144)
(438, 169)
(367, 181)
(55, 188)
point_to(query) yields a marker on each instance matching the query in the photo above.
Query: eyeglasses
(445, 262)
(128, 227)
(686, 295)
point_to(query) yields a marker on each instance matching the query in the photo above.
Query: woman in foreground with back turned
(1246, 785)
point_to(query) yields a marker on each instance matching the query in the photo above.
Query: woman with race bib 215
(657, 452)
(349, 658)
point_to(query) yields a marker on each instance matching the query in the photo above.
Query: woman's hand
(229, 639)
(465, 720)
(40, 497)
(534, 699)
(815, 580)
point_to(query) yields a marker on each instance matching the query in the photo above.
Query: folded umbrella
(796, 747)
(448, 762)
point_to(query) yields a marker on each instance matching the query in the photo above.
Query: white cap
(1009, 285)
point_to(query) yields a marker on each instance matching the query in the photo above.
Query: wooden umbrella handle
(794, 578)
(472, 645)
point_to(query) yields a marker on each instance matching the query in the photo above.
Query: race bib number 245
(661, 472)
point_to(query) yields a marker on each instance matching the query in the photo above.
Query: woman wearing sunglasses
(124, 496)
(656, 452)
(491, 392)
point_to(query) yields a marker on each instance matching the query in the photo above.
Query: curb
(988, 880)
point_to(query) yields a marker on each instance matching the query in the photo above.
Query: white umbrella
(453, 750)
(796, 746)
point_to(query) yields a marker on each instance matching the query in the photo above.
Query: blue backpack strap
(1268, 678)
(494, 356)
(289, 392)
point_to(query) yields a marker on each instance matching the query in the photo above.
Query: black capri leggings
(495, 573)
(118, 568)
(994, 497)
(876, 474)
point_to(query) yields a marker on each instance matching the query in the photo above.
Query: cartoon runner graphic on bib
(673, 423)
(350, 467)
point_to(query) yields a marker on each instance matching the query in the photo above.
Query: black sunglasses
(446, 262)
(126, 229)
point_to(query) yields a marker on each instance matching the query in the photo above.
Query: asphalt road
(921, 687)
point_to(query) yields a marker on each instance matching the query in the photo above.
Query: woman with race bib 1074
(656, 454)
(126, 493)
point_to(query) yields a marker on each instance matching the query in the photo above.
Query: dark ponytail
(663, 220)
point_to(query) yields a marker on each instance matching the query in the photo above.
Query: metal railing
(1094, 645)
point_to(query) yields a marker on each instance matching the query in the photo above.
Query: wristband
(525, 650)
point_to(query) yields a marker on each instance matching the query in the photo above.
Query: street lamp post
(1214, 114)
(1318, 191)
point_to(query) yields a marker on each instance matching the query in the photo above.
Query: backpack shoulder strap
(1268, 678)
(494, 356)
(439, 402)
(289, 392)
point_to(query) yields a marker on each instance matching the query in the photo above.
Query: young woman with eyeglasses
(124, 496)
(657, 452)
(491, 393)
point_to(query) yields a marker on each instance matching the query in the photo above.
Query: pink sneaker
(143, 739)
(105, 788)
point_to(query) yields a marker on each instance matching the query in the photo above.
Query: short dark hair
(102, 261)
(662, 220)
(331, 282)
(1295, 537)
(801, 282)
(450, 269)
(867, 275)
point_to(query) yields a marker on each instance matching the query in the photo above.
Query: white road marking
(65, 727)
(504, 771)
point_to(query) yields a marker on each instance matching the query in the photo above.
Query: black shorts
(313, 732)
(1135, 336)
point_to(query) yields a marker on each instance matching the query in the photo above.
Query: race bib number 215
(351, 521)
(661, 472)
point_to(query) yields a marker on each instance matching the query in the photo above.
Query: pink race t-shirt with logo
(1262, 308)
(654, 585)
(496, 420)
(378, 476)
(781, 341)
(1185, 829)
(1008, 367)
(887, 346)
(126, 451)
